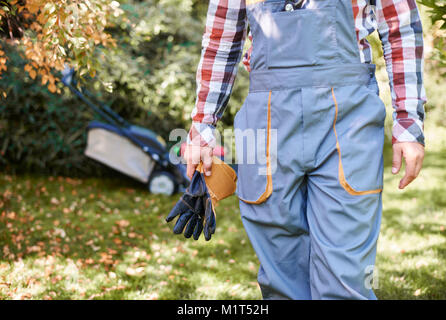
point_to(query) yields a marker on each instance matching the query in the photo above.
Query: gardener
(312, 210)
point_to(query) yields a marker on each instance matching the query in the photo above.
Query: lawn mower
(133, 150)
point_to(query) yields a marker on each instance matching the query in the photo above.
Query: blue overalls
(310, 199)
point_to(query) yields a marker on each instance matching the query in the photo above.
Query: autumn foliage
(52, 33)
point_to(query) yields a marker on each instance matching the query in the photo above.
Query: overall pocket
(252, 130)
(359, 130)
(303, 37)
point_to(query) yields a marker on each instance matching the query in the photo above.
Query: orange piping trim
(269, 178)
(342, 179)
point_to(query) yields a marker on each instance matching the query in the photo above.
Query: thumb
(397, 159)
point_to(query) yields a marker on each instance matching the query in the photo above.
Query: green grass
(411, 257)
(63, 238)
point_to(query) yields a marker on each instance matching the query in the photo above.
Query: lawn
(65, 238)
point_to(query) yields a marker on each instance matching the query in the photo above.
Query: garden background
(72, 229)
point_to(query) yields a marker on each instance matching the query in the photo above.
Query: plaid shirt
(399, 27)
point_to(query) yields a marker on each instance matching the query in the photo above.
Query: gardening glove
(222, 182)
(219, 185)
(190, 209)
(196, 208)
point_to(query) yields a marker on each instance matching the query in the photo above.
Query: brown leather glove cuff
(222, 182)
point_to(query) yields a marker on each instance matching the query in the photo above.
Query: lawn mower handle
(103, 110)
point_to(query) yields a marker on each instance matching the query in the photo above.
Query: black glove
(194, 210)
(209, 217)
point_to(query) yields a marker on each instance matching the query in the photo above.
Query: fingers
(413, 168)
(181, 222)
(190, 170)
(419, 165)
(191, 226)
(193, 155)
(413, 154)
(199, 224)
(207, 160)
(180, 207)
(210, 224)
(209, 228)
(198, 229)
(191, 212)
(409, 175)
(397, 158)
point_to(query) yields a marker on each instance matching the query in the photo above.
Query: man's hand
(193, 154)
(413, 153)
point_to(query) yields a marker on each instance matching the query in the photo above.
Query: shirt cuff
(408, 130)
(201, 134)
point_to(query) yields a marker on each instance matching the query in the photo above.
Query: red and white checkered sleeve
(222, 47)
(400, 30)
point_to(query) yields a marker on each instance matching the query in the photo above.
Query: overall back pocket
(252, 129)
